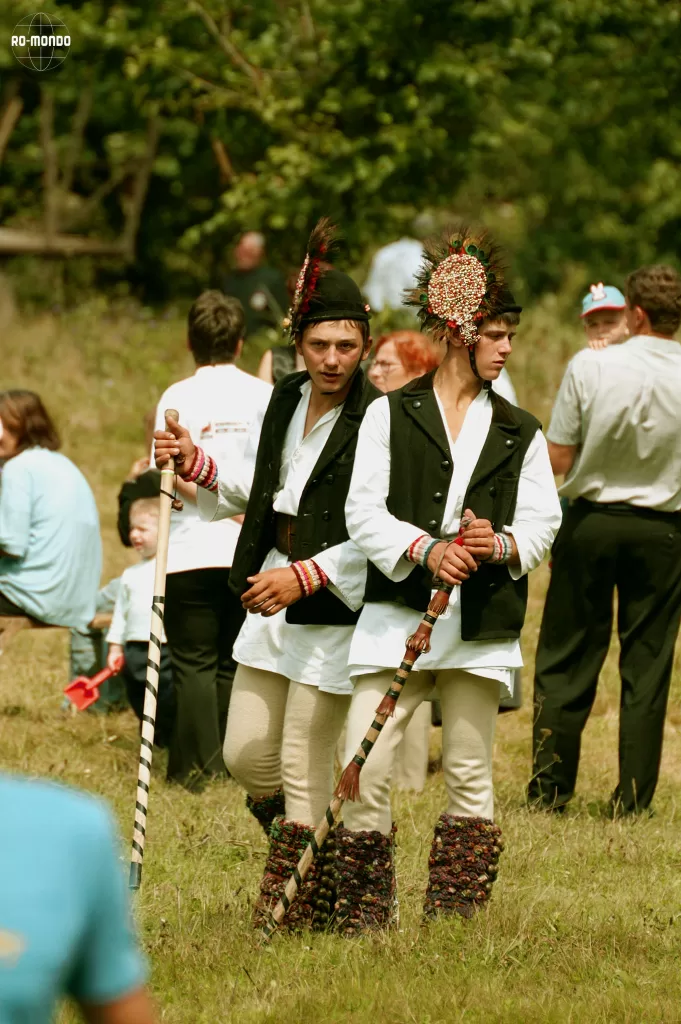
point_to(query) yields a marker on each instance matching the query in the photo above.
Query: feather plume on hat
(322, 248)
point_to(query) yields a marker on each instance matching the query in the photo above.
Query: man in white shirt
(615, 436)
(443, 451)
(298, 575)
(220, 405)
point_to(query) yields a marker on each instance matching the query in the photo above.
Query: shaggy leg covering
(266, 808)
(367, 891)
(313, 905)
(463, 865)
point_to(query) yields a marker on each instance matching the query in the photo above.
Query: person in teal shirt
(50, 547)
(65, 928)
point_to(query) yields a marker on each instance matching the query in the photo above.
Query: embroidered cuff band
(419, 550)
(309, 576)
(203, 472)
(503, 549)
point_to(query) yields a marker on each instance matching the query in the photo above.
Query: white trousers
(284, 734)
(469, 713)
(411, 761)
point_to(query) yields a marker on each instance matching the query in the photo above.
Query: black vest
(492, 604)
(321, 511)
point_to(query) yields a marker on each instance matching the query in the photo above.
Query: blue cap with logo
(602, 296)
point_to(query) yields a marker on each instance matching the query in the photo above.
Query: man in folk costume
(443, 457)
(298, 574)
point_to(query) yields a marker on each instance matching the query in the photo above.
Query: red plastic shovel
(83, 692)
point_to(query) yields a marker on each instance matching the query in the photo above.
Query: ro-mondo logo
(41, 42)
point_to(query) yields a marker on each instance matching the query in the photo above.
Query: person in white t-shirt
(128, 636)
(219, 405)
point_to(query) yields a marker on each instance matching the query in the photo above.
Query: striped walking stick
(348, 787)
(153, 670)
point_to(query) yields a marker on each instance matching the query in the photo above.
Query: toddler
(128, 636)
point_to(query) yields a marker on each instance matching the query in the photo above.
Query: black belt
(625, 508)
(285, 533)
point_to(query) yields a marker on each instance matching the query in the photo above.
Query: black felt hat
(335, 297)
(506, 302)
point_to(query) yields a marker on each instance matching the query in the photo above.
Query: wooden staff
(153, 668)
(348, 787)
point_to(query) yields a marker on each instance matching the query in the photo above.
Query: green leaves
(554, 124)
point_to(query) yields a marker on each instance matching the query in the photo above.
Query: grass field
(584, 921)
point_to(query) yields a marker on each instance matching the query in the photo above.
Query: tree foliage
(553, 122)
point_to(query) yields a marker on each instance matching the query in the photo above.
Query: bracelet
(503, 549)
(203, 471)
(309, 576)
(419, 550)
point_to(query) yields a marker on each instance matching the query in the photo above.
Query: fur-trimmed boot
(463, 865)
(314, 903)
(367, 891)
(266, 808)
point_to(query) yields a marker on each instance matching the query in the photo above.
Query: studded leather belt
(285, 533)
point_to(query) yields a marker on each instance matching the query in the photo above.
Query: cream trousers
(284, 734)
(469, 713)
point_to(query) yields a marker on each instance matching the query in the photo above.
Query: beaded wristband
(203, 471)
(503, 549)
(419, 550)
(309, 576)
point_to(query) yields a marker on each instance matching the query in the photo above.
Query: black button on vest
(492, 492)
(432, 524)
(509, 443)
(328, 479)
(326, 516)
(445, 465)
(416, 404)
(437, 497)
(324, 545)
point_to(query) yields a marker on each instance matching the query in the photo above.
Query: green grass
(584, 920)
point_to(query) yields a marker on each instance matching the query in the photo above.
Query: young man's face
(144, 533)
(606, 327)
(493, 348)
(332, 352)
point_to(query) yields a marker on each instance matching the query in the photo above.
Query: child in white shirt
(128, 636)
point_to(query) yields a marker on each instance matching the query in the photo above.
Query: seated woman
(50, 549)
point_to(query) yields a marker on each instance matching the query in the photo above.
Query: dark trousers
(8, 607)
(202, 620)
(134, 675)
(597, 550)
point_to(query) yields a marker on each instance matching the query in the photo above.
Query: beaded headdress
(461, 282)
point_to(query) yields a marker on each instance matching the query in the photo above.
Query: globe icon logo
(41, 42)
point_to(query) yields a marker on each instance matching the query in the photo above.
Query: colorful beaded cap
(459, 284)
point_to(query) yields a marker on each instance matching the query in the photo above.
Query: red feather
(321, 249)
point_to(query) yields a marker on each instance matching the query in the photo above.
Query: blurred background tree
(172, 127)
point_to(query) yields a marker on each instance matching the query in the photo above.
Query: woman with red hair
(400, 357)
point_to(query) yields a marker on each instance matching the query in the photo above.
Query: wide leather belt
(285, 533)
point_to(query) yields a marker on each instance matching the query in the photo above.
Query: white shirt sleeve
(118, 628)
(381, 536)
(234, 481)
(346, 567)
(566, 418)
(537, 514)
